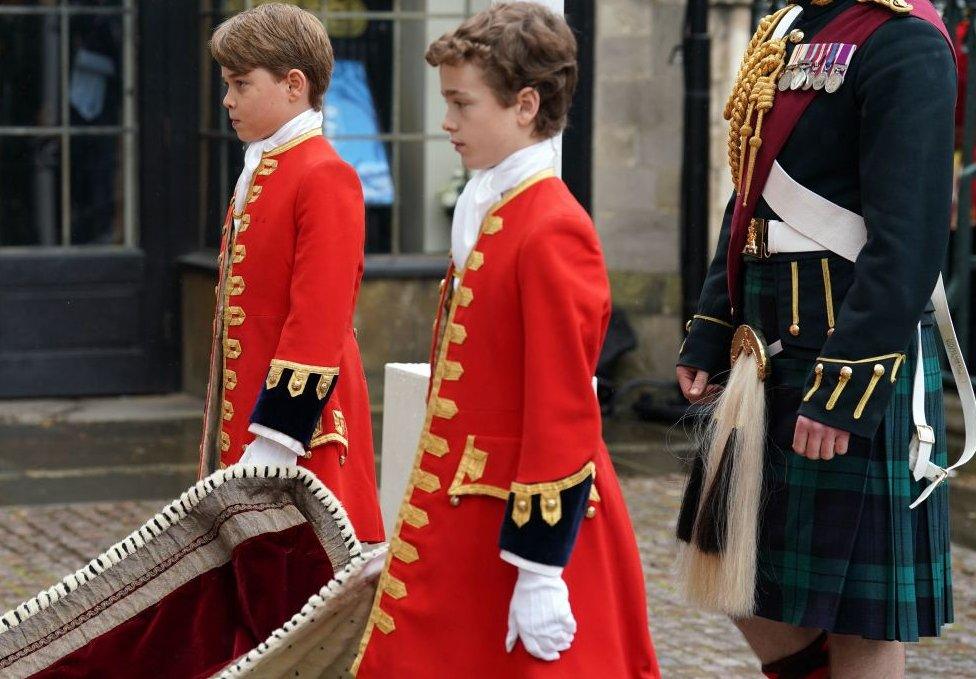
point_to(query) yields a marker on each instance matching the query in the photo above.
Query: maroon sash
(853, 26)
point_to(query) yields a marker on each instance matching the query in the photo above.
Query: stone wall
(637, 160)
(637, 171)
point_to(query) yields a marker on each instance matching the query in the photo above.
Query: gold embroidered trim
(268, 166)
(403, 550)
(451, 370)
(845, 376)
(711, 319)
(274, 376)
(415, 516)
(475, 260)
(236, 286)
(480, 489)
(435, 445)
(445, 408)
(296, 385)
(894, 370)
(232, 348)
(879, 372)
(514, 193)
(323, 386)
(828, 295)
(472, 465)
(228, 410)
(493, 224)
(394, 587)
(299, 378)
(329, 438)
(426, 440)
(240, 252)
(245, 223)
(457, 332)
(224, 441)
(339, 420)
(230, 380)
(817, 378)
(255, 193)
(292, 144)
(465, 296)
(382, 620)
(795, 287)
(426, 481)
(235, 315)
(552, 507)
(549, 492)
(870, 359)
(594, 493)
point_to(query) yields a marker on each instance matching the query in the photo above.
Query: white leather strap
(786, 23)
(844, 232)
(782, 238)
(836, 228)
(959, 372)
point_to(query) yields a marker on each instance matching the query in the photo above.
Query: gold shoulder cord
(752, 96)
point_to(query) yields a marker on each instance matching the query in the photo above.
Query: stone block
(639, 240)
(623, 17)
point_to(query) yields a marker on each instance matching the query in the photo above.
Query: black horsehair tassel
(689, 503)
(712, 527)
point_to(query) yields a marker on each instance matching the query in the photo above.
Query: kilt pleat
(839, 548)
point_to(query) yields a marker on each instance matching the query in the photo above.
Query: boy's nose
(227, 102)
(448, 125)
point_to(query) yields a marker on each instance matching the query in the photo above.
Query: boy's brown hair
(517, 45)
(277, 37)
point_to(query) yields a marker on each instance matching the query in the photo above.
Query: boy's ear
(297, 84)
(527, 104)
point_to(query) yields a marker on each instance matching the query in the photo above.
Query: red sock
(812, 662)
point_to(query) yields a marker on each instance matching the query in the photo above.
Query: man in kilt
(842, 115)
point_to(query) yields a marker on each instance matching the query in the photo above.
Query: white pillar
(404, 407)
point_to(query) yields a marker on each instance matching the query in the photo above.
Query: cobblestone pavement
(42, 543)
(691, 643)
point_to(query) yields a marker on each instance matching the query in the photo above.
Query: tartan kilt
(839, 548)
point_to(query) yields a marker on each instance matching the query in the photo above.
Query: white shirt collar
(485, 188)
(304, 122)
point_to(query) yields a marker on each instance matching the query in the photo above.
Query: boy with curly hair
(513, 554)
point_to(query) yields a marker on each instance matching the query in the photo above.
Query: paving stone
(40, 544)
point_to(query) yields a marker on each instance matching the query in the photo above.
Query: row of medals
(820, 66)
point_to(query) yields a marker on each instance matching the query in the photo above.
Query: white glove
(263, 451)
(540, 615)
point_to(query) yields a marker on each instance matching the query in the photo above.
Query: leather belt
(768, 237)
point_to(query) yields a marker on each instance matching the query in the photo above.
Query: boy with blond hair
(286, 379)
(513, 555)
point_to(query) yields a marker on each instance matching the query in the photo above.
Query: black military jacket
(880, 146)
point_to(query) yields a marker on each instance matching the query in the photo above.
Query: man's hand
(694, 384)
(818, 441)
